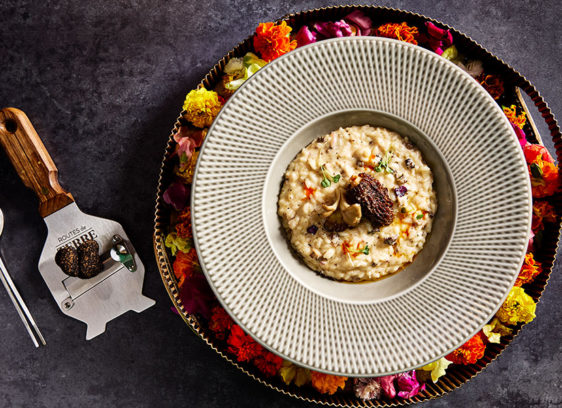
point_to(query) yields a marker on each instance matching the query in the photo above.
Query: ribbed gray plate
(493, 196)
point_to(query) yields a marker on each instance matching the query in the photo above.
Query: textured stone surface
(103, 83)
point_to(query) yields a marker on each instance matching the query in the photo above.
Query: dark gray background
(103, 83)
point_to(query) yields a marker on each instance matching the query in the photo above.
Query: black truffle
(67, 259)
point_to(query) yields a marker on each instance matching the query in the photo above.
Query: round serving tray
(514, 83)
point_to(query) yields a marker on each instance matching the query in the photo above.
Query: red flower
(529, 271)
(402, 32)
(542, 211)
(273, 40)
(183, 226)
(268, 363)
(470, 352)
(491, 83)
(220, 322)
(542, 170)
(242, 345)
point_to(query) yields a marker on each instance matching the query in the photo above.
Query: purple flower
(196, 295)
(360, 21)
(330, 29)
(305, 36)
(176, 195)
(408, 385)
(400, 191)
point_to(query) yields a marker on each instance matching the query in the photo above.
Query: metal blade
(98, 300)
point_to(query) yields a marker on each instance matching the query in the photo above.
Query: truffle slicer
(118, 288)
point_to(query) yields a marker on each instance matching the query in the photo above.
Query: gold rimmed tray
(456, 375)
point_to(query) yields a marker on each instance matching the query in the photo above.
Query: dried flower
(367, 388)
(492, 83)
(521, 136)
(408, 385)
(529, 271)
(542, 170)
(196, 295)
(291, 373)
(185, 265)
(220, 322)
(518, 307)
(387, 385)
(438, 38)
(273, 40)
(176, 243)
(183, 225)
(305, 36)
(470, 352)
(186, 169)
(176, 195)
(242, 345)
(542, 211)
(494, 330)
(267, 362)
(402, 32)
(240, 69)
(438, 368)
(308, 191)
(360, 23)
(327, 383)
(511, 113)
(202, 107)
(330, 29)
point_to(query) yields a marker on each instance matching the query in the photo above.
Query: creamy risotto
(357, 204)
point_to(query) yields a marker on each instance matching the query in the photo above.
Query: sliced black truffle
(90, 261)
(375, 203)
(67, 259)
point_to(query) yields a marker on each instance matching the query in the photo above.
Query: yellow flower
(293, 373)
(494, 330)
(176, 243)
(437, 368)
(202, 107)
(518, 307)
(517, 120)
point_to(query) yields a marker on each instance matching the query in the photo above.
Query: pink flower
(438, 39)
(176, 195)
(387, 384)
(360, 21)
(305, 36)
(331, 30)
(408, 385)
(520, 135)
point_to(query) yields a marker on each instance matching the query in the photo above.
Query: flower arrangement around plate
(201, 107)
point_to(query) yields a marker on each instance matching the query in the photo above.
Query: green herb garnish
(536, 170)
(365, 250)
(384, 164)
(419, 216)
(327, 179)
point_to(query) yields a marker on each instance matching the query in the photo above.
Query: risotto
(357, 204)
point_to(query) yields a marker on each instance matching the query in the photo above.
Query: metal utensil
(17, 300)
(118, 288)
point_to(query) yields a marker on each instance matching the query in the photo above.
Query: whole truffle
(90, 261)
(373, 198)
(67, 259)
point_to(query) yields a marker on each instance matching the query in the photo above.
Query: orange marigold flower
(327, 383)
(184, 265)
(470, 352)
(183, 226)
(542, 211)
(220, 322)
(529, 270)
(273, 40)
(402, 32)
(517, 120)
(491, 83)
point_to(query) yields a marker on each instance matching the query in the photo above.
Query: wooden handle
(32, 161)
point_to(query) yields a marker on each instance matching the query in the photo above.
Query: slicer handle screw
(67, 304)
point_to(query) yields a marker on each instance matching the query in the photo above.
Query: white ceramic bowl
(422, 312)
